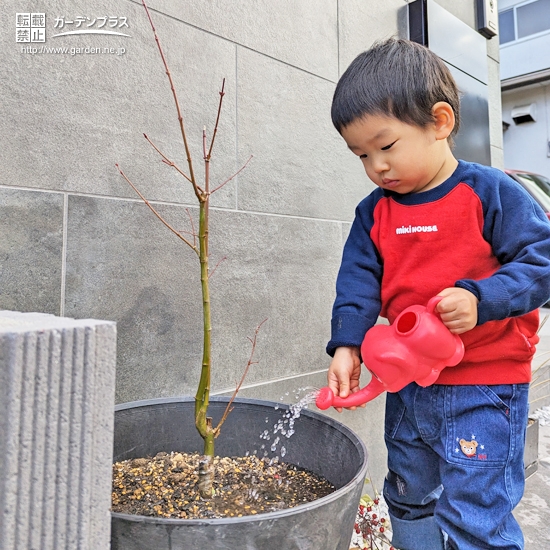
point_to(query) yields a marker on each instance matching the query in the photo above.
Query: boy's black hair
(396, 78)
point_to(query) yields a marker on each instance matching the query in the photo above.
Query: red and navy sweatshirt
(479, 230)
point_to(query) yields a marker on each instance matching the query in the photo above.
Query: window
(506, 26)
(524, 20)
(533, 18)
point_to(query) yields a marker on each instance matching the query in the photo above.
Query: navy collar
(432, 194)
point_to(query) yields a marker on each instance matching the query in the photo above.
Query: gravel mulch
(166, 486)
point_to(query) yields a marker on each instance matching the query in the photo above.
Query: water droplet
(274, 446)
(285, 425)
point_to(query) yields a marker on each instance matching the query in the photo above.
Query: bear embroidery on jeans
(468, 447)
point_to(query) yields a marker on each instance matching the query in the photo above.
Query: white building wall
(525, 55)
(526, 145)
(528, 55)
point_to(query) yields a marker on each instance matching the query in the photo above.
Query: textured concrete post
(57, 379)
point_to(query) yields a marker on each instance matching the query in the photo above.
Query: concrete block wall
(79, 243)
(56, 431)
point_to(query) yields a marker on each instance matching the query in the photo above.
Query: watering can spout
(415, 348)
(326, 397)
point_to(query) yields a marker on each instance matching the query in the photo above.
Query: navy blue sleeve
(357, 303)
(519, 233)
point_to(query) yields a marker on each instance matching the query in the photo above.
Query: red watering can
(415, 348)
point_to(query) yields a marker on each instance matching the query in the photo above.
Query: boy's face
(398, 156)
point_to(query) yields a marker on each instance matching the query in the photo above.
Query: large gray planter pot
(320, 444)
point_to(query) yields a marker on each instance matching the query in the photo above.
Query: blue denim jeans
(455, 459)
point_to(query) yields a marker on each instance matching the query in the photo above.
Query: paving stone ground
(533, 512)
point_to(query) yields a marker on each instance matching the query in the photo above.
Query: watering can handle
(432, 303)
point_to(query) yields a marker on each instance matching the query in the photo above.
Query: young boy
(468, 233)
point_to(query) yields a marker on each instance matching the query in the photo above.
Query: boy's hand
(458, 309)
(344, 372)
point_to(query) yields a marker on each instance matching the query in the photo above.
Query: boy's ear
(444, 119)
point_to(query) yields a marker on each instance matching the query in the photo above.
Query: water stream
(284, 427)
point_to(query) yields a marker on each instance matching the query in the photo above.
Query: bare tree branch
(222, 93)
(248, 365)
(152, 208)
(167, 161)
(180, 117)
(235, 174)
(194, 233)
(216, 266)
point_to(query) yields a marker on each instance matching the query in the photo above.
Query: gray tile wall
(77, 242)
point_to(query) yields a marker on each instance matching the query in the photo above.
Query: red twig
(248, 365)
(197, 190)
(185, 232)
(222, 93)
(216, 266)
(193, 232)
(235, 174)
(167, 161)
(152, 208)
